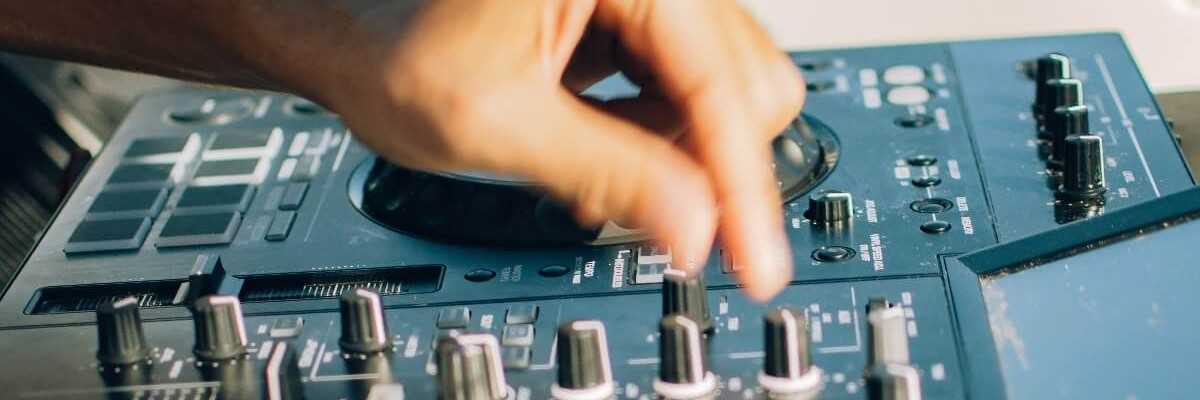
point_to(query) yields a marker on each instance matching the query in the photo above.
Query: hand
(492, 85)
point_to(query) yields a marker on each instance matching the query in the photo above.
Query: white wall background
(1164, 34)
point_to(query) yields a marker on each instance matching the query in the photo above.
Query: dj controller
(983, 219)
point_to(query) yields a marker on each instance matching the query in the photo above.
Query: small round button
(815, 66)
(909, 95)
(553, 271)
(935, 227)
(819, 86)
(931, 206)
(480, 275)
(914, 121)
(921, 160)
(832, 253)
(926, 181)
(904, 75)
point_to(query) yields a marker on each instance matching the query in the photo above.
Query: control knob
(683, 294)
(1083, 168)
(1059, 93)
(682, 371)
(282, 374)
(469, 368)
(1065, 121)
(1049, 67)
(890, 376)
(788, 369)
(364, 328)
(829, 206)
(220, 331)
(584, 369)
(119, 325)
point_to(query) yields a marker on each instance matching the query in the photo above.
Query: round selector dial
(683, 294)
(1083, 168)
(829, 206)
(683, 368)
(121, 338)
(488, 209)
(469, 368)
(788, 367)
(220, 331)
(364, 327)
(584, 367)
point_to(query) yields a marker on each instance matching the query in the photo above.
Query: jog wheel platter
(480, 208)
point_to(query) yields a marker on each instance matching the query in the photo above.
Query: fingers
(735, 92)
(610, 168)
(655, 114)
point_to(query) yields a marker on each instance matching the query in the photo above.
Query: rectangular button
(157, 146)
(108, 235)
(516, 357)
(245, 166)
(521, 314)
(199, 229)
(129, 203)
(141, 173)
(517, 335)
(306, 168)
(229, 145)
(293, 196)
(281, 225)
(287, 327)
(222, 198)
(456, 317)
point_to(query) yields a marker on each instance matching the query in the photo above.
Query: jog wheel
(485, 209)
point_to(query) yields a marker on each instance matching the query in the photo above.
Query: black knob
(830, 206)
(1058, 93)
(1052, 66)
(683, 367)
(1065, 121)
(788, 366)
(1083, 167)
(220, 332)
(282, 374)
(683, 294)
(364, 328)
(584, 369)
(119, 325)
(889, 374)
(469, 368)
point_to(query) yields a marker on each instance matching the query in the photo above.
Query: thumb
(610, 168)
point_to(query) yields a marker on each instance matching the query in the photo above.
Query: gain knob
(364, 328)
(788, 370)
(1059, 93)
(1083, 168)
(829, 206)
(1049, 67)
(584, 369)
(220, 332)
(1065, 121)
(683, 369)
(889, 374)
(119, 325)
(282, 374)
(683, 294)
(469, 368)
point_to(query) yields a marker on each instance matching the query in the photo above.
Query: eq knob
(469, 368)
(584, 368)
(829, 206)
(889, 373)
(220, 331)
(683, 294)
(282, 374)
(1065, 121)
(1059, 93)
(788, 369)
(1046, 68)
(1083, 168)
(682, 371)
(364, 328)
(119, 325)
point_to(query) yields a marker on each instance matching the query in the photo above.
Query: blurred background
(58, 115)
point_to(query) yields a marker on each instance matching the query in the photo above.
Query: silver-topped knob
(683, 368)
(889, 373)
(364, 327)
(220, 331)
(469, 368)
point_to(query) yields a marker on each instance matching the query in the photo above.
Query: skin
(492, 85)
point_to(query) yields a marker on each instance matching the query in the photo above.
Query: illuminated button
(909, 95)
(904, 75)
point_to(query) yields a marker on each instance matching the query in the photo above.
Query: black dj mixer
(983, 219)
